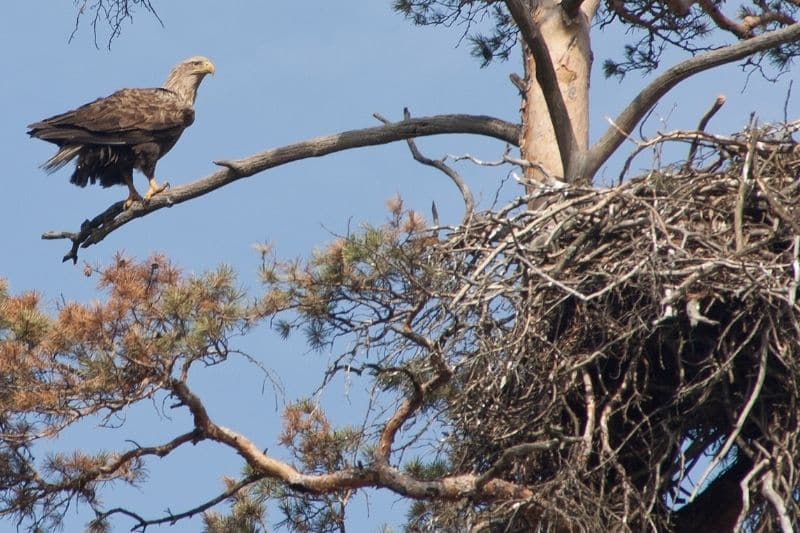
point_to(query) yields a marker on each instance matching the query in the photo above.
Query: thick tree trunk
(570, 49)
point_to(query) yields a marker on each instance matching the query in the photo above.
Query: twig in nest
(744, 487)
(769, 492)
(777, 207)
(745, 185)
(796, 270)
(701, 126)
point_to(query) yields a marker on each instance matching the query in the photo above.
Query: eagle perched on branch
(130, 129)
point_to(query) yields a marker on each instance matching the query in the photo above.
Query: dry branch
(455, 177)
(95, 230)
(701, 126)
(173, 518)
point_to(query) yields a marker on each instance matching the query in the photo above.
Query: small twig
(549, 179)
(231, 165)
(518, 82)
(455, 177)
(591, 413)
(786, 102)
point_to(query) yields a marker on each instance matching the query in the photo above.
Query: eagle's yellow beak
(207, 67)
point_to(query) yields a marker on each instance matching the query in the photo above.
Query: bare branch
(171, 519)
(519, 450)
(751, 400)
(745, 184)
(743, 29)
(769, 492)
(95, 230)
(379, 474)
(650, 95)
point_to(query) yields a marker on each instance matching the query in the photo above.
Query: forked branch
(172, 518)
(455, 177)
(380, 474)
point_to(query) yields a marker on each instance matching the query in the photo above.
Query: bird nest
(628, 345)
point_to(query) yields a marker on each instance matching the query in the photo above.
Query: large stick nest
(624, 338)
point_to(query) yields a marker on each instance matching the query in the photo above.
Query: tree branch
(171, 519)
(571, 156)
(95, 230)
(378, 475)
(650, 95)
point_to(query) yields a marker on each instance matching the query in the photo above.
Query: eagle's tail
(64, 155)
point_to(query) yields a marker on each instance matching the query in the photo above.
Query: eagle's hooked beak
(207, 67)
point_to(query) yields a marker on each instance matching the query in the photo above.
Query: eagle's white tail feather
(64, 155)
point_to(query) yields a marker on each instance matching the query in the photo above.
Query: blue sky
(286, 71)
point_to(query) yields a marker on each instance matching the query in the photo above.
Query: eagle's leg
(155, 188)
(147, 155)
(133, 194)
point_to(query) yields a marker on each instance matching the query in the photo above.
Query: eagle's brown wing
(127, 117)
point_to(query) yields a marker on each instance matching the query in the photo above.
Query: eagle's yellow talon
(155, 189)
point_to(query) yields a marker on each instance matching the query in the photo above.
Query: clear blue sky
(286, 71)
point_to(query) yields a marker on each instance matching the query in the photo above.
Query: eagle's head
(185, 77)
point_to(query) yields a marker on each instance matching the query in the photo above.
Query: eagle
(130, 129)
